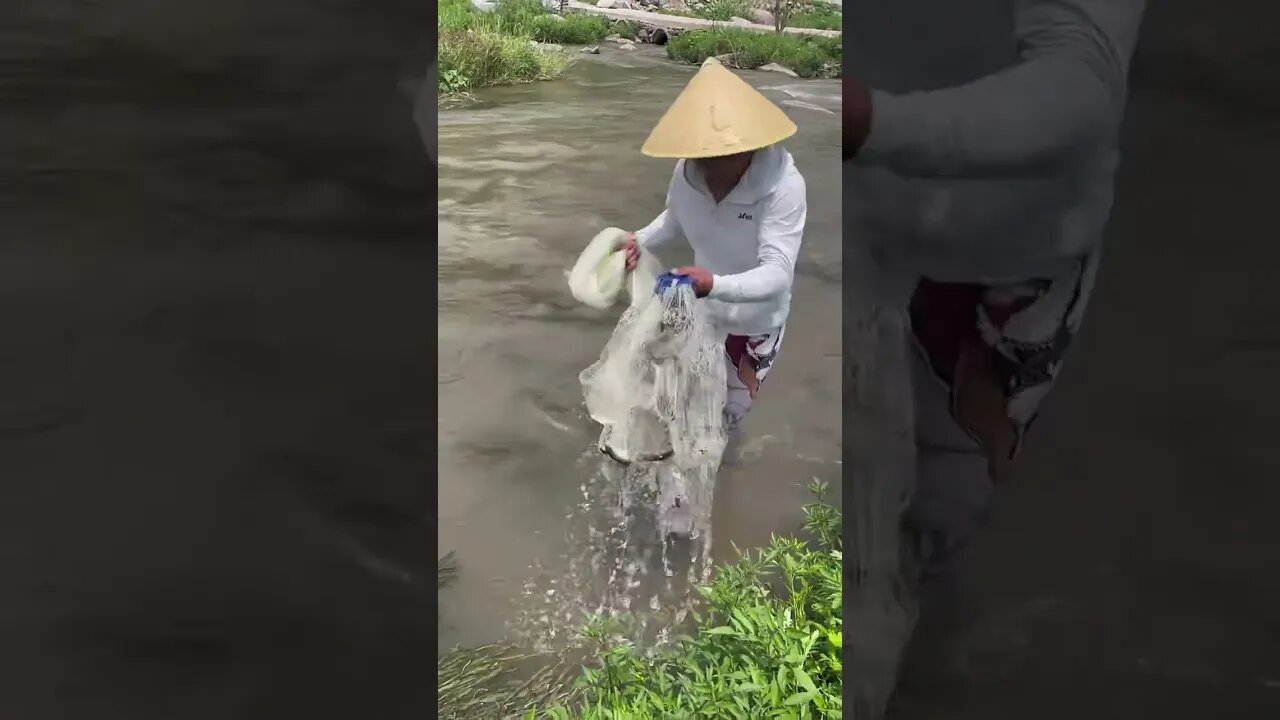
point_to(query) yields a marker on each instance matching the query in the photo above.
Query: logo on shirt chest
(744, 216)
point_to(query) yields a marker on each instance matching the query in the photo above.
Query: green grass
(816, 15)
(478, 49)
(726, 10)
(723, 10)
(765, 643)
(810, 57)
(820, 16)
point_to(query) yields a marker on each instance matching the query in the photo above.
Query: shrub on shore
(800, 13)
(508, 45)
(820, 16)
(808, 56)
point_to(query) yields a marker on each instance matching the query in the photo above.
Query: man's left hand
(701, 277)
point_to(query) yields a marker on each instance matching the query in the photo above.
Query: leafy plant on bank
(808, 56)
(725, 10)
(767, 644)
(515, 43)
(817, 15)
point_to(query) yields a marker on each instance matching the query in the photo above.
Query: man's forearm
(758, 283)
(1065, 93)
(658, 232)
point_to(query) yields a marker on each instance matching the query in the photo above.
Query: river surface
(527, 176)
(215, 430)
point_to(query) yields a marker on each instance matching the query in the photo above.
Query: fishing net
(658, 388)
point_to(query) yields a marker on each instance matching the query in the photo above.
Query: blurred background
(214, 361)
(1129, 572)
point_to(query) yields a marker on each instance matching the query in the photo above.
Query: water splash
(639, 544)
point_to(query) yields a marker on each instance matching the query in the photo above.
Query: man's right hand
(632, 249)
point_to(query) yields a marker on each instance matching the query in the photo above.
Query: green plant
(725, 9)
(808, 56)
(768, 643)
(818, 15)
(530, 18)
(477, 49)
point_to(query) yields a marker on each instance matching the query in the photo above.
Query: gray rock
(728, 60)
(615, 5)
(546, 46)
(740, 21)
(620, 40)
(591, 49)
(760, 16)
(775, 67)
(482, 5)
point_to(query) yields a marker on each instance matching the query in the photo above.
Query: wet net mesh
(658, 388)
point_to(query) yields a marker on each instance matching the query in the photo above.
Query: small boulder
(591, 49)
(615, 5)
(775, 67)
(740, 21)
(760, 16)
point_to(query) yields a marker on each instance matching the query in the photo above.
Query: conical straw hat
(717, 114)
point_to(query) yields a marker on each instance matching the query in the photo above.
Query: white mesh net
(659, 385)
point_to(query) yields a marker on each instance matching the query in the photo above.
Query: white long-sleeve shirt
(994, 133)
(749, 241)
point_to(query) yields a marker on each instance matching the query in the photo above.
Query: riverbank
(518, 41)
(521, 41)
(768, 639)
(677, 15)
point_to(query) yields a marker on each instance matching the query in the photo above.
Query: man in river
(981, 141)
(737, 198)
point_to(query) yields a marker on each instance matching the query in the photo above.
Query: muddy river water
(527, 175)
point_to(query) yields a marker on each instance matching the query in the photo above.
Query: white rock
(775, 67)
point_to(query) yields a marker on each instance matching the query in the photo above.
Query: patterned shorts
(748, 359)
(986, 356)
(999, 348)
